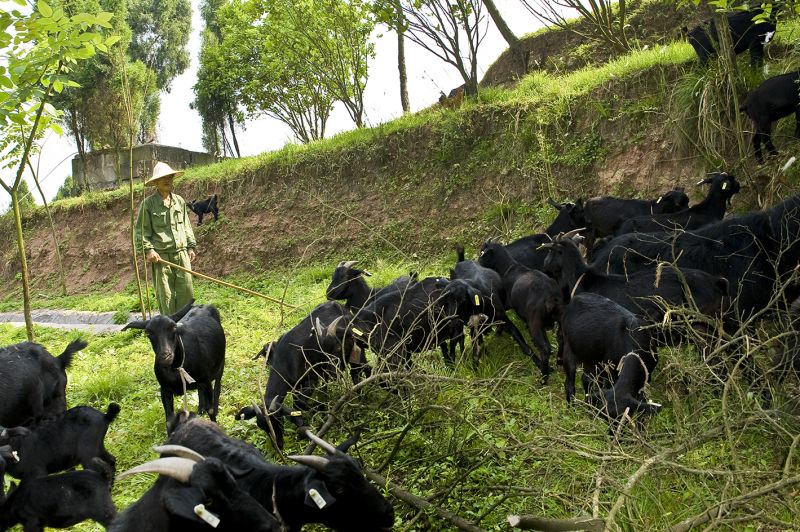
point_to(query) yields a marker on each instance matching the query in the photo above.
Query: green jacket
(162, 228)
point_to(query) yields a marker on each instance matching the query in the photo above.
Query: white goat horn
(179, 450)
(350, 263)
(174, 467)
(318, 328)
(331, 330)
(312, 461)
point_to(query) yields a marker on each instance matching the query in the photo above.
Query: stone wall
(102, 164)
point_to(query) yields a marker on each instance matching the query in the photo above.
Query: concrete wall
(102, 164)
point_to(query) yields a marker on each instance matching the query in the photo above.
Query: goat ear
(182, 312)
(181, 500)
(318, 495)
(452, 273)
(138, 324)
(349, 442)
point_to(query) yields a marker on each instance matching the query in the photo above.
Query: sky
(180, 126)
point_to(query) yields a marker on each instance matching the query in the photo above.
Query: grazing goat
(344, 499)
(596, 331)
(755, 252)
(33, 382)
(454, 99)
(193, 493)
(712, 209)
(643, 292)
(207, 206)
(61, 442)
(604, 214)
(59, 501)
(400, 323)
(488, 287)
(534, 296)
(745, 34)
(314, 350)
(772, 100)
(626, 395)
(348, 284)
(190, 354)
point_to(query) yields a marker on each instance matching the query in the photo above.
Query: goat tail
(460, 253)
(65, 359)
(111, 413)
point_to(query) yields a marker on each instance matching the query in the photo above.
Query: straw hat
(162, 170)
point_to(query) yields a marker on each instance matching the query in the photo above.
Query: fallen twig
(531, 522)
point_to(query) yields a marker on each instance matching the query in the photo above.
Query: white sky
(180, 126)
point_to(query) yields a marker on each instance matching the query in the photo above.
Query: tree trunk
(401, 60)
(505, 31)
(26, 293)
(233, 135)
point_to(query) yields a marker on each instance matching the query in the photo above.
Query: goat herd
(647, 259)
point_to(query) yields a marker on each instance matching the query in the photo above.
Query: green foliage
(66, 190)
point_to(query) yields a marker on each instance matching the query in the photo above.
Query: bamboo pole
(225, 283)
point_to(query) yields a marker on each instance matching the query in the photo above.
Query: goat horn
(546, 245)
(310, 460)
(318, 328)
(365, 272)
(350, 263)
(275, 405)
(341, 263)
(179, 450)
(331, 330)
(174, 467)
(554, 203)
(574, 232)
(330, 449)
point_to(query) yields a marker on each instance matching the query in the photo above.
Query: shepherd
(163, 231)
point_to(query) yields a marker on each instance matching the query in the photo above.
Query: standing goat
(190, 354)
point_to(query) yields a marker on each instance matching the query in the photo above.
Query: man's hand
(152, 256)
(192, 255)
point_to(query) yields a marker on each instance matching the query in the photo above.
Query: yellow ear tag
(724, 185)
(295, 413)
(317, 498)
(477, 300)
(357, 332)
(205, 515)
(659, 200)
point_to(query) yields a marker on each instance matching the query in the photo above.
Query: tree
(390, 12)
(604, 19)
(214, 91)
(66, 190)
(39, 53)
(336, 32)
(160, 31)
(452, 31)
(270, 78)
(502, 26)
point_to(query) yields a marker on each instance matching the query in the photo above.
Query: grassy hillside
(480, 443)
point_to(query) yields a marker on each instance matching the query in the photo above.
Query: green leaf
(103, 19)
(21, 3)
(6, 83)
(57, 129)
(44, 9)
(102, 47)
(18, 118)
(111, 41)
(58, 86)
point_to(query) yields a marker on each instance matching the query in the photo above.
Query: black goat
(605, 214)
(420, 317)
(33, 382)
(207, 206)
(755, 252)
(60, 501)
(745, 34)
(596, 331)
(344, 499)
(61, 442)
(348, 284)
(193, 493)
(638, 292)
(314, 350)
(488, 287)
(772, 100)
(534, 296)
(570, 216)
(190, 354)
(712, 209)
(626, 396)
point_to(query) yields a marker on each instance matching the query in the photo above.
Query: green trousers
(173, 286)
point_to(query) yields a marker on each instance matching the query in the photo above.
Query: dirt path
(93, 322)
